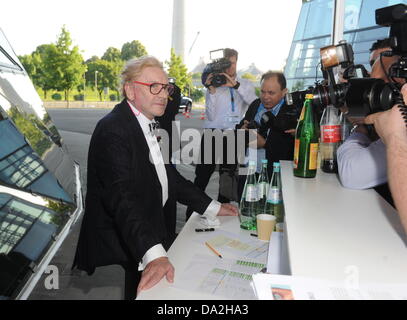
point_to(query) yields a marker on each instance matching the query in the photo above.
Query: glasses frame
(168, 86)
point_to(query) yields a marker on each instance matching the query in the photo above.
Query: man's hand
(227, 209)
(388, 124)
(154, 272)
(290, 131)
(212, 89)
(244, 126)
(229, 81)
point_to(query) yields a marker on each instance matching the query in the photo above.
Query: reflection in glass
(21, 167)
(28, 226)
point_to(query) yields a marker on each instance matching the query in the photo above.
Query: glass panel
(319, 20)
(352, 13)
(299, 31)
(367, 17)
(6, 46)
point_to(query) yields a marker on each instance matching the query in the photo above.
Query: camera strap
(232, 99)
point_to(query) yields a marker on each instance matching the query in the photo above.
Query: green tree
(197, 94)
(35, 65)
(133, 49)
(28, 64)
(178, 71)
(197, 75)
(107, 75)
(112, 54)
(64, 63)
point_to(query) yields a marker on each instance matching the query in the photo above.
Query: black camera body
(362, 96)
(216, 67)
(396, 17)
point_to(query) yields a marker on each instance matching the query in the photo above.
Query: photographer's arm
(392, 129)
(210, 104)
(245, 90)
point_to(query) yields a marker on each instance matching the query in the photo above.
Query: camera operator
(392, 130)
(361, 161)
(377, 48)
(225, 107)
(272, 144)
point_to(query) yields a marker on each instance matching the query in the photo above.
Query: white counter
(336, 233)
(180, 255)
(333, 233)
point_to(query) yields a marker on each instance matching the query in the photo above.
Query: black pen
(253, 235)
(204, 230)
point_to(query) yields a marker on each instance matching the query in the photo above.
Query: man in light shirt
(225, 107)
(129, 185)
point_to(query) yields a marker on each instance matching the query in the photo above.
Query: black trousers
(131, 280)
(204, 170)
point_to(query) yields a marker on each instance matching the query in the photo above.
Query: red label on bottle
(330, 134)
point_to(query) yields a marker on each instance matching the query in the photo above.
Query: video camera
(362, 95)
(218, 65)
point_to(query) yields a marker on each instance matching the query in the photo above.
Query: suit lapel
(138, 137)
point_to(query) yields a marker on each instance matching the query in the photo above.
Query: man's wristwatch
(237, 85)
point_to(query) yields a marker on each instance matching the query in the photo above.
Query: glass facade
(314, 29)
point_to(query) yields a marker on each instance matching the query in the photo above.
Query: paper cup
(265, 226)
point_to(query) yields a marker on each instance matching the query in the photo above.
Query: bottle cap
(276, 164)
(252, 163)
(264, 161)
(309, 96)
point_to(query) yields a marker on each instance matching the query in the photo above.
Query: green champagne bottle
(249, 202)
(306, 142)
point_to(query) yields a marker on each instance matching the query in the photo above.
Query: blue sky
(261, 30)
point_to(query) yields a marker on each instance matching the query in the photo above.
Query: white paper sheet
(280, 287)
(229, 278)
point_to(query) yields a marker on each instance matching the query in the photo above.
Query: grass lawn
(90, 95)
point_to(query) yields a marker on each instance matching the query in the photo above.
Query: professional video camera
(218, 65)
(361, 95)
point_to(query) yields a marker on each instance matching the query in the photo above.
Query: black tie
(153, 126)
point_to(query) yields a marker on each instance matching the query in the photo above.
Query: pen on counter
(205, 230)
(253, 235)
(210, 247)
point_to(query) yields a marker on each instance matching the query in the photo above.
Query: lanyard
(232, 99)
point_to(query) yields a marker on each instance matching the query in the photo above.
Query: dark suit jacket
(123, 210)
(279, 145)
(168, 117)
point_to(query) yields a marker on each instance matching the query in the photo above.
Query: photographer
(392, 130)
(361, 161)
(225, 107)
(272, 143)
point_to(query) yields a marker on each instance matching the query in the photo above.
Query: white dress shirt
(362, 164)
(156, 158)
(219, 109)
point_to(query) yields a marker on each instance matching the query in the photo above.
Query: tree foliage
(178, 71)
(107, 75)
(133, 49)
(64, 64)
(59, 66)
(112, 54)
